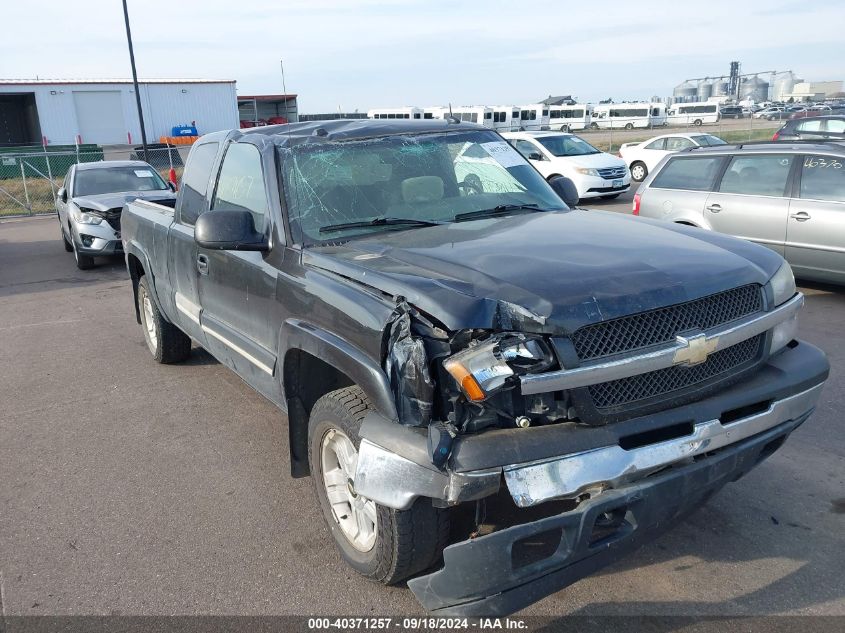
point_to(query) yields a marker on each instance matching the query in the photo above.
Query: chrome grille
(609, 173)
(645, 387)
(630, 333)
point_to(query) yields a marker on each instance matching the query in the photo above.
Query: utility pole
(135, 81)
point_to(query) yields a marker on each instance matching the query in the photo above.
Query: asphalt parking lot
(128, 487)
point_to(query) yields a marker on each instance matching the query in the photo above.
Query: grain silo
(705, 90)
(684, 92)
(754, 89)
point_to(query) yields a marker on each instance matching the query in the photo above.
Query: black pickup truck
(494, 394)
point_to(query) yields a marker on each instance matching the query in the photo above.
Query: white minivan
(595, 173)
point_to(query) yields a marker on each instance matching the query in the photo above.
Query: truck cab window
(240, 185)
(195, 181)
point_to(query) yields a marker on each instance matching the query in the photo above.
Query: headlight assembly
(486, 367)
(587, 171)
(783, 284)
(87, 216)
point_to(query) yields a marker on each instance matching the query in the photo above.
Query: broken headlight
(86, 216)
(486, 366)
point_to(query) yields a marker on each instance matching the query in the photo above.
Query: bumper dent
(481, 576)
(612, 466)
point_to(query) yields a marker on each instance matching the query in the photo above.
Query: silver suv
(787, 196)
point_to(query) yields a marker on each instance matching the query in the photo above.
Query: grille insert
(662, 325)
(665, 381)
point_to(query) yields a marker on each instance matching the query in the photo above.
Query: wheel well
(553, 176)
(306, 380)
(136, 271)
(685, 223)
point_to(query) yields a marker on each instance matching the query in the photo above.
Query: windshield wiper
(502, 209)
(386, 221)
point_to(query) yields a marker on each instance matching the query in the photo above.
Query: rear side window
(678, 143)
(658, 144)
(811, 126)
(823, 178)
(241, 183)
(837, 126)
(694, 174)
(195, 181)
(757, 175)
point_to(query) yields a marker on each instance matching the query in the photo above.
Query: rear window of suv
(694, 174)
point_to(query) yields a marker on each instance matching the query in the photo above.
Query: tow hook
(441, 436)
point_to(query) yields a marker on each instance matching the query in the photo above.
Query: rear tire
(629, 126)
(380, 543)
(639, 171)
(166, 342)
(697, 123)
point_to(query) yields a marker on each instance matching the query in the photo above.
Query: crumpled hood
(596, 161)
(106, 201)
(547, 272)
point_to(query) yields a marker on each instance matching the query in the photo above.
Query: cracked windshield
(348, 189)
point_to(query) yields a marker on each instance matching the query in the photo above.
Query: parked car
(90, 202)
(731, 112)
(812, 128)
(596, 174)
(570, 378)
(771, 113)
(642, 157)
(790, 198)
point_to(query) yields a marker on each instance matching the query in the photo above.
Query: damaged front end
(569, 493)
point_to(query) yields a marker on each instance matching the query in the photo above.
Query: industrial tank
(754, 89)
(684, 92)
(720, 88)
(783, 85)
(705, 90)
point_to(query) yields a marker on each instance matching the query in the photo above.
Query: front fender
(345, 357)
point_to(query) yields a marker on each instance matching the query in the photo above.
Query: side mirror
(171, 185)
(535, 156)
(566, 190)
(229, 231)
(63, 195)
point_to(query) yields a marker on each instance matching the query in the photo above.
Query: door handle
(202, 264)
(714, 208)
(801, 216)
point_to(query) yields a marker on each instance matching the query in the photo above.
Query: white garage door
(100, 116)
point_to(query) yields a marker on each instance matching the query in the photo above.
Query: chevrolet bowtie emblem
(694, 349)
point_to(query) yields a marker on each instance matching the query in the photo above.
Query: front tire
(612, 196)
(83, 262)
(166, 342)
(66, 242)
(639, 171)
(697, 123)
(629, 126)
(380, 543)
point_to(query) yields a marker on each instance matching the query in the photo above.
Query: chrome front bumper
(613, 466)
(396, 481)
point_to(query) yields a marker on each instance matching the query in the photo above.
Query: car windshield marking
(375, 222)
(499, 210)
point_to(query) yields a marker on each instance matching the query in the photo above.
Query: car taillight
(636, 209)
(776, 136)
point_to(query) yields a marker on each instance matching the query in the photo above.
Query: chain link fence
(30, 179)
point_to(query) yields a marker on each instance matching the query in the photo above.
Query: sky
(358, 54)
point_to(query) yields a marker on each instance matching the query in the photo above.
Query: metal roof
(266, 97)
(50, 82)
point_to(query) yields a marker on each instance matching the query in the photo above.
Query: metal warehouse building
(62, 112)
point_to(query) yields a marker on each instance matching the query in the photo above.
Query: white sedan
(642, 157)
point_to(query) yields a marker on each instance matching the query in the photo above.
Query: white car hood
(596, 161)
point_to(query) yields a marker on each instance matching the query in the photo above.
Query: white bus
(471, 114)
(570, 117)
(693, 113)
(408, 112)
(533, 117)
(628, 115)
(506, 118)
